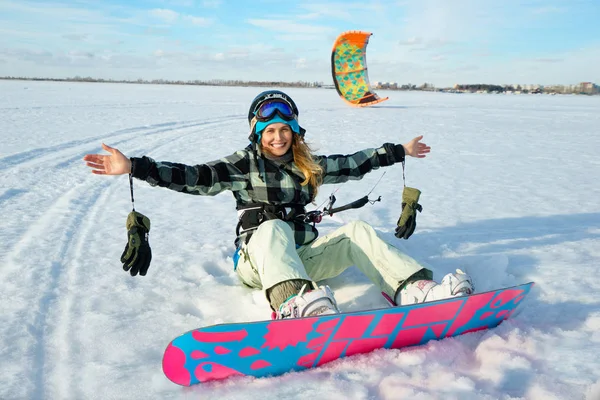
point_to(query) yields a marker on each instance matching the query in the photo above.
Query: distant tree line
(212, 82)
(588, 88)
(483, 88)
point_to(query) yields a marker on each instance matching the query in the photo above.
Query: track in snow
(68, 202)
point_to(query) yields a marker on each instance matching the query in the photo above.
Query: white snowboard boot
(319, 301)
(452, 285)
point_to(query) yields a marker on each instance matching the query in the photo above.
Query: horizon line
(239, 82)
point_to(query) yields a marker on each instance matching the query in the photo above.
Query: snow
(510, 193)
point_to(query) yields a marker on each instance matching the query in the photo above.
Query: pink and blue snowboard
(269, 348)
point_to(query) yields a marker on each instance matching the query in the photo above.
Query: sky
(504, 195)
(434, 41)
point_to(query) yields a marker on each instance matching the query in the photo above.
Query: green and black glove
(137, 254)
(408, 219)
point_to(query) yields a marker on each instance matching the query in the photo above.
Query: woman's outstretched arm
(341, 168)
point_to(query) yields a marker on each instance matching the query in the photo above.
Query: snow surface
(510, 192)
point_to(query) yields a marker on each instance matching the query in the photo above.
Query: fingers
(108, 148)
(134, 270)
(419, 145)
(96, 158)
(415, 148)
(99, 170)
(400, 232)
(421, 149)
(141, 264)
(128, 257)
(144, 263)
(96, 163)
(411, 228)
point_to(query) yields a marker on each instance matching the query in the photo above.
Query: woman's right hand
(114, 164)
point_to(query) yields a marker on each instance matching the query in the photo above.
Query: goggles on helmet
(269, 109)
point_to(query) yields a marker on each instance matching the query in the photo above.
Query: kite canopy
(349, 69)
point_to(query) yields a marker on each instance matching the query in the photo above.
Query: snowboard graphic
(266, 348)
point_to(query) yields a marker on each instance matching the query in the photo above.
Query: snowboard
(270, 348)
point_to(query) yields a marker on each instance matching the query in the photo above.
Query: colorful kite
(349, 69)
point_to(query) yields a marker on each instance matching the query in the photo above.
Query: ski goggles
(269, 109)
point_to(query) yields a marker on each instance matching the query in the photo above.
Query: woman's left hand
(415, 148)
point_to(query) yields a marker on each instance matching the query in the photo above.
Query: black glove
(408, 219)
(137, 254)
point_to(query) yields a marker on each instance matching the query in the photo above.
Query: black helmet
(266, 96)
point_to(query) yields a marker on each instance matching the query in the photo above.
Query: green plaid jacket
(253, 178)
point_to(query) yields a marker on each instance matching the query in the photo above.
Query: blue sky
(437, 41)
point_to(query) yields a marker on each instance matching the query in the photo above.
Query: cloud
(345, 11)
(290, 27)
(75, 54)
(76, 37)
(178, 3)
(199, 21)
(420, 44)
(309, 16)
(466, 68)
(153, 31)
(298, 38)
(166, 15)
(26, 54)
(170, 17)
(331, 11)
(455, 22)
(219, 57)
(301, 63)
(211, 3)
(416, 41)
(548, 60)
(411, 41)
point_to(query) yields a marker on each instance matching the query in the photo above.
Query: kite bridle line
(316, 216)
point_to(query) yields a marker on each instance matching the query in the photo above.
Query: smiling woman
(277, 246)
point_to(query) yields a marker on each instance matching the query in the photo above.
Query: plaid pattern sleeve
(259, 180)
(342, 168)
(228, 173)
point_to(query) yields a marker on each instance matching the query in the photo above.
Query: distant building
(589, 88)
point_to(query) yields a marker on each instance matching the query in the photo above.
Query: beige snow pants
(271, 257)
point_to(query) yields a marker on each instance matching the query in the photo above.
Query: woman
(277, 248)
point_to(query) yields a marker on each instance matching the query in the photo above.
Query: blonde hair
(306, 163)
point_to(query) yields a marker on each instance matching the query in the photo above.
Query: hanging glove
(137, 254)
(408, 219)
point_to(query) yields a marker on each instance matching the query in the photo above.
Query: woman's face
(277, 139)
